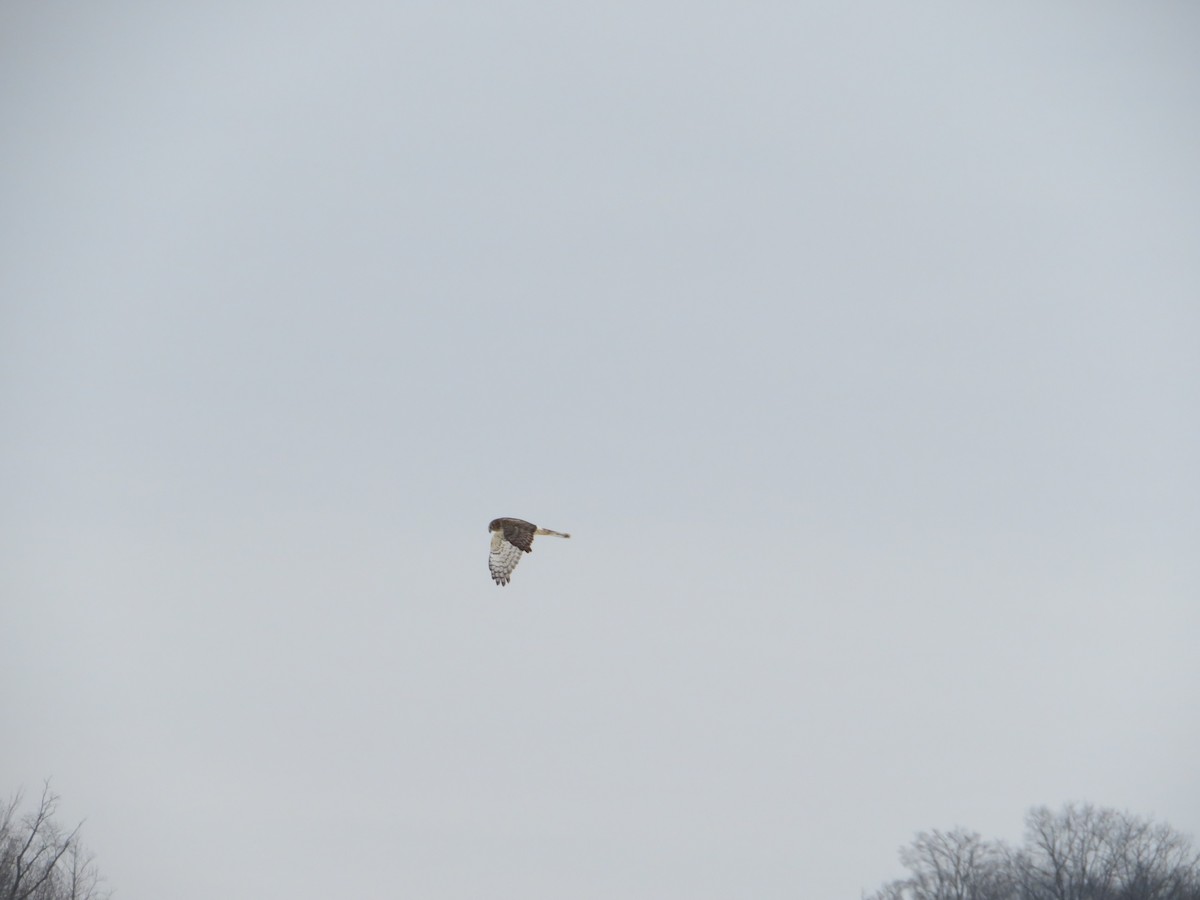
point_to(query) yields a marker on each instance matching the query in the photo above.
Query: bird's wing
(503, 558)
(520, 533)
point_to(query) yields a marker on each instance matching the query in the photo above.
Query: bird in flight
(511, 538)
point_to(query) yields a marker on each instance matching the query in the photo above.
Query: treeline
(41, 861)
(1082, 852)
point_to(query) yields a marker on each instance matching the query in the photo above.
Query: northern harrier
(511, 538)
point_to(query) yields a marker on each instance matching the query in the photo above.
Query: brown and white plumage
(511, 538)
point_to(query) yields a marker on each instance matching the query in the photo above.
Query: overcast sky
(855, 344)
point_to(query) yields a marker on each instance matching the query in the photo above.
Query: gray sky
(856, 345)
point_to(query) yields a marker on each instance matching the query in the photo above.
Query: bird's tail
(555, 533)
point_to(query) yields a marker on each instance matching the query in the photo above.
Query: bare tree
(1082, 852)
(1089, 853)
(40, 861)
(1155, 862)
(951, 865)
(1068, 855)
